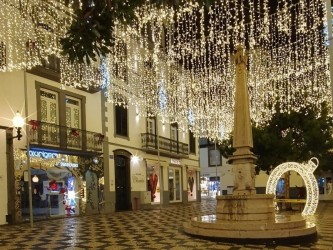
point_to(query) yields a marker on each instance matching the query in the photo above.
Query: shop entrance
(53, 193)
(122, 179)
(174, 184)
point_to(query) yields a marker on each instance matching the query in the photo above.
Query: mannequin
(153, 179)
(191, 183)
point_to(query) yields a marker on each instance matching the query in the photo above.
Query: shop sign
(43, 154)
(175, 161)
(69, 164)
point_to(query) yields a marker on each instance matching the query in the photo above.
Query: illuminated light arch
(305, 170)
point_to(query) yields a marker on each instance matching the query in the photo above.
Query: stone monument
(245, 214)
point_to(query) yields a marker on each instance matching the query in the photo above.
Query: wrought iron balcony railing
(49, 134)
(166, 145)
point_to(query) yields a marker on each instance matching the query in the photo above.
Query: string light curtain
(176, 62)
(180, 61)
(30, 31)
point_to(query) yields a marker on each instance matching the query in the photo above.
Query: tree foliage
(91, 33)
(294, 136)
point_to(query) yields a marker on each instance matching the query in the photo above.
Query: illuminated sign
(175, 161)
(43, 154)
(68, 164)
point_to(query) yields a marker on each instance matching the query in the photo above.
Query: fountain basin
(249, 217)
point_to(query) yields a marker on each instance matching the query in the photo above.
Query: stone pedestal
(244, 178)
(245, 208)
(249, 217)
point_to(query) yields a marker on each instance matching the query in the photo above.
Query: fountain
(245, 214)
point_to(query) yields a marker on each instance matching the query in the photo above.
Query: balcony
(167, 146)
(53, 136)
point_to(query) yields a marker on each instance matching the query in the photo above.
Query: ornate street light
(18, 122)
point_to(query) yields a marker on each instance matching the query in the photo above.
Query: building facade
(86, 155)
(217, 178)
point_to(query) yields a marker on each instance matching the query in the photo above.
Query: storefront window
(153, 183)
(191, 185)
(210, 186)
(321, 185)
(214, 186)
(54, 193)
(204, 185)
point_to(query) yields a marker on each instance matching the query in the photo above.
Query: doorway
(123, 184)
(174, 185)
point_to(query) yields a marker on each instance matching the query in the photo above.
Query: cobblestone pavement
(146, 229)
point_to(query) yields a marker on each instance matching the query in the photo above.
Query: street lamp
(18, 123)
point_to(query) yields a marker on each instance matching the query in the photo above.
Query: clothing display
(153, 179)
(191, 183)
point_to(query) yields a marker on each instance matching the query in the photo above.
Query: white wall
(296, 180)
(3, 178)
(261, 179)
(203, 158)
(11, 96)
(138, 175)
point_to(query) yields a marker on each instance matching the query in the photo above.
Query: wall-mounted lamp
(35, 179)
(135, 159)
(18, 123)
(95, 160)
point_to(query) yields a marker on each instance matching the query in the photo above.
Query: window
(191, 142)
(151, 128)
(174, 132)
(121, 121)
(174, 137)
(49, 113)
(73, 112)
(215, 158)
(61, 115)
(49, 106)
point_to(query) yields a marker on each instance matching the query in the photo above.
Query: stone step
(247, 233)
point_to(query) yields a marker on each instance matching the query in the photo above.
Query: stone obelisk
(244, 205)
(242, 159)
(245, 214)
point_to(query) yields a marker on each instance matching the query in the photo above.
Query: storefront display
(210, 186)
(153, 183)
(191, 185)
(57, 188)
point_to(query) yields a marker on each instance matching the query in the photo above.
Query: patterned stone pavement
(159, 228)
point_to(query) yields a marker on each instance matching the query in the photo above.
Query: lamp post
(28, 150)
(18, 123)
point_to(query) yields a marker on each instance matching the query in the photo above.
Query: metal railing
(49, 134)
(149, 141)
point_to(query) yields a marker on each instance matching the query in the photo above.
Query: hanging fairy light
(178, 62)
(187, 66)
(79, 75)
(30, 31)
